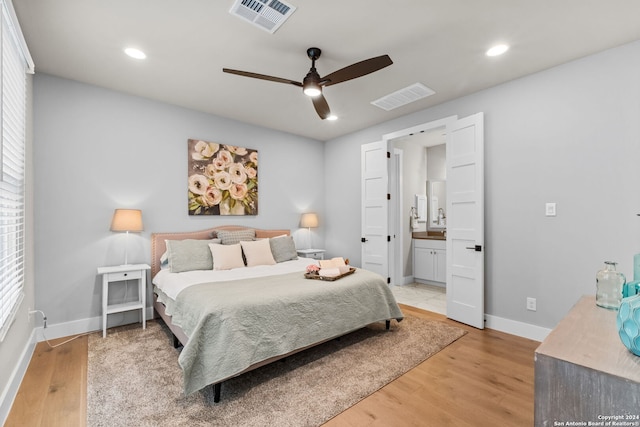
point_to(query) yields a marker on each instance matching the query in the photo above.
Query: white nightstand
(120, 273)
(311, 253)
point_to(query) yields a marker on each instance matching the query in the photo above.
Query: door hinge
(388, 154)
(388, 280)
(388, 196)
(388, 238)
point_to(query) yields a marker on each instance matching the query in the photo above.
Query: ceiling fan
(312, 84)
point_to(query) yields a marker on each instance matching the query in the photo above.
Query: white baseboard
(406, 280)
(13, 385)
(90, 324)
(513, 327)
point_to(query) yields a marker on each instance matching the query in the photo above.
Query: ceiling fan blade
(262, 77)
(358, 69)
(321, 106)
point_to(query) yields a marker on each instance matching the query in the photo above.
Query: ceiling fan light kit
(312, 90)
(312, 83)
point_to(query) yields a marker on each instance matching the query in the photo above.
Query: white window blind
(13, 67)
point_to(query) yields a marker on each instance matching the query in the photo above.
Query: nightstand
(311, 253)
(121, 273)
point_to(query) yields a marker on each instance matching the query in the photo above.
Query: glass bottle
(609, 284)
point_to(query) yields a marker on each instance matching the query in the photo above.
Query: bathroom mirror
(437, 200)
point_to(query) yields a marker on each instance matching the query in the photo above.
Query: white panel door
(465, 220)
(375, 245)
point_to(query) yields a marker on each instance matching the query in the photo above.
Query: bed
(232, 318)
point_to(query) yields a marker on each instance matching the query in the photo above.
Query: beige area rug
(134, 378)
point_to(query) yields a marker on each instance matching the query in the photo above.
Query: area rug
(134, 378)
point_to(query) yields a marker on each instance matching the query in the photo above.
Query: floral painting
(223, 179)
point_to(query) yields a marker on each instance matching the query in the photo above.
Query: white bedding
(171, 284)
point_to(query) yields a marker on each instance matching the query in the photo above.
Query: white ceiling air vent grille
(266, 14)
(403, 96)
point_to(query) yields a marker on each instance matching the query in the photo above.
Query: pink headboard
(158, 245)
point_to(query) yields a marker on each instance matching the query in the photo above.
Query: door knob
(477, 248)
(364, 240)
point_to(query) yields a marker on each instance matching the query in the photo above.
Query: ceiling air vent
(403, 96)
(266, 14)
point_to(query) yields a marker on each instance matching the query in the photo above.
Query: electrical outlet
(531, 304)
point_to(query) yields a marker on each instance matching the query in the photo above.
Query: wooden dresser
(584, 374)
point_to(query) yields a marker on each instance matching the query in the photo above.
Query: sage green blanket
(233, 325)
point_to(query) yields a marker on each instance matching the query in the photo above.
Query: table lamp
(308, 221)
(127, 220)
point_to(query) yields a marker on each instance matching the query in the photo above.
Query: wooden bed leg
(176, 341)
(388, 324)
(216, 392)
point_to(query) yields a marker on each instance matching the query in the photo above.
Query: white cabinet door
(422, 263)
(439, 265)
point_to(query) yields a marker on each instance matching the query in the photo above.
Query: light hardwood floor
(483, 379)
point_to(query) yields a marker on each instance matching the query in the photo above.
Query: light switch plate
(550, 209)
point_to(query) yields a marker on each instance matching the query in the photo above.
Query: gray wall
(414, 178)
(570, 135)
(96, 150)
(437, 163)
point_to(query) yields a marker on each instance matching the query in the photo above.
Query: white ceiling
(439, 43)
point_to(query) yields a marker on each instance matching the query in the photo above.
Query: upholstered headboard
(158, 245)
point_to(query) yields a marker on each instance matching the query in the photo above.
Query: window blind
(13, 66)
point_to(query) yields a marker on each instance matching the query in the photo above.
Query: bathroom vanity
(430, 257)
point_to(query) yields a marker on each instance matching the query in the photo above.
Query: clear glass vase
(609, 284)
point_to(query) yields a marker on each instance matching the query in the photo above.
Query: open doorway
(417, 177)
(418, 158)
(464, 240)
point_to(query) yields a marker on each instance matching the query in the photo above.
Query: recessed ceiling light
(332, 117)
(135, 53)
(497, 50)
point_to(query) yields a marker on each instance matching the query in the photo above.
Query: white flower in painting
(198, 184)
(237, 172)
(251, 172)
(219, 164)
(238, 191)
(210, 170)
(240, 151)
(222, 180)
(224, 159)
(212, 196)
(254, 157)
(204, 150)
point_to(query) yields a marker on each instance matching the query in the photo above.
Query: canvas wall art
(223, 179)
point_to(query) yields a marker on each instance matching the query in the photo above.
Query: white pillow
(226, 257)
(257, 252)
